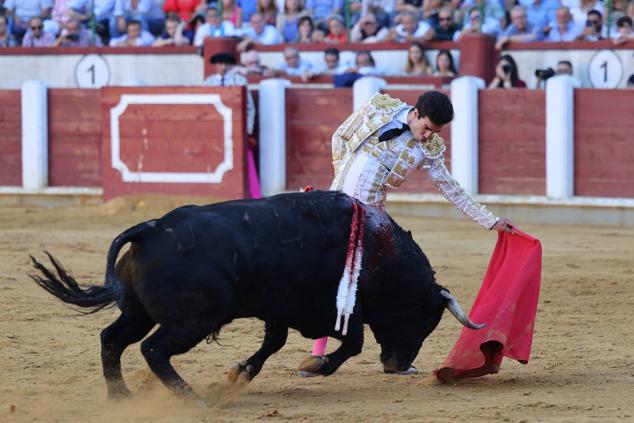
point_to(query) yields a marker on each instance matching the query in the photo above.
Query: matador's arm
(451, 189)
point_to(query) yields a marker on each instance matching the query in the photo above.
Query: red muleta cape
(507, 303)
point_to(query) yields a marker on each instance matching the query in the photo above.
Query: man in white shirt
(411, 30)
(293, 64)
(564, 28)
(134, 37)
(213, 27)
(259, 33)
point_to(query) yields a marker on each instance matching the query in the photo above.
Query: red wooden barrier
(174, 140)
(10, 138)
(604, 143)
(512, 132)
(312, 116)
(74, 137)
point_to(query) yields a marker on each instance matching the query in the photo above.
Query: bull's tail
(94, 298)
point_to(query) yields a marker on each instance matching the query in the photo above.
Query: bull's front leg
(274, 338)
(351, 345)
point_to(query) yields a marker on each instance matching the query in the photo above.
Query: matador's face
(421, 128)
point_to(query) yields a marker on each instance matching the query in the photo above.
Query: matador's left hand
(504, 225)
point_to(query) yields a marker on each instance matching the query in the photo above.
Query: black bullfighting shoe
(411, 371)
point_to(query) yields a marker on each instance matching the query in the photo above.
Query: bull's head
(401, 333)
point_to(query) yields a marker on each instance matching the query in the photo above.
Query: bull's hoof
(411, 371)
(241, 373)
(312, 366)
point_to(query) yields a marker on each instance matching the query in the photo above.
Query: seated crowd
(38, 23)
(161, 23)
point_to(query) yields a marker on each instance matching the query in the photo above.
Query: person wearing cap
(226, 76)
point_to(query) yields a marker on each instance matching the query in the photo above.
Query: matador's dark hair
(436, 106)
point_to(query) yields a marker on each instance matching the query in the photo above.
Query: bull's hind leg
(166, 342)
(274, 339)
(126, 330)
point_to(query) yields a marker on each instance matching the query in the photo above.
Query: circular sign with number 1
(605, 69)
(92, 71)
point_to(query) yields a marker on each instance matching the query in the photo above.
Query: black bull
(279, 259)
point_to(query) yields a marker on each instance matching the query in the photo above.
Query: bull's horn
(453, 306)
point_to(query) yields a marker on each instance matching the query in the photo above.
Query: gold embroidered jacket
(365, 167)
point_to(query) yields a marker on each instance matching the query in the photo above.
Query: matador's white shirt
(366, 167)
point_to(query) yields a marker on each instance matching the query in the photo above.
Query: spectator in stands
(564, 28)
(333, 66)
(336, 30)
(293, 64)
(411, 30)
(21, 11)
(367, 30)
(624, 30)
(540, 13)
(231, 12)
(185, 9)
(6, 38)
(364, 64)
(125, 10)
(475, 26)
(228, 75)
(135, 36)
(73, 35)
(520, 30)
(60, 14)
(430, 11)
(174, 34)
(36, 36)
(417, 63)
(445, 65)
(564, 67)
(288, 21)
(251, 65)
(579, 9)
(305, 30)
(321, 10)
(446, 29)
(506, 75)
(104, 18)
(259, 33)
(248, 7)
(383, 10)
(268, 10)
(593, 30)
(411, 6)
(492, 8)
(213, 27)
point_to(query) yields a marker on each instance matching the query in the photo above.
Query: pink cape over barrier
(252, 175)
(507, 303)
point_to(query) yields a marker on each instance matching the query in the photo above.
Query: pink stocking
(319, 347)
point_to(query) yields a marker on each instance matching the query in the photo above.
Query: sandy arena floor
(581, 370)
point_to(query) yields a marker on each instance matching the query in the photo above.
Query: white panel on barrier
(34, 135)
(364, 88)
(464, 131)
(559, 137)
(171, 177)
(272, 142)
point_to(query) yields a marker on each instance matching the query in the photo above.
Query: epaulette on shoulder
(434, 147)
(386, 103)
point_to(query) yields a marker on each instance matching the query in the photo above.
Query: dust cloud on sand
(582, 365)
